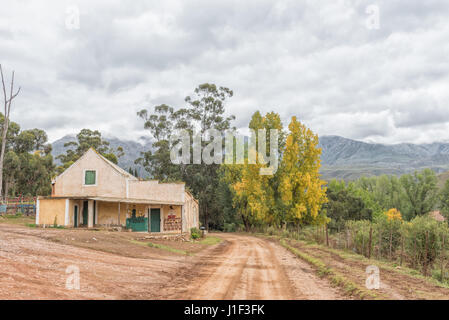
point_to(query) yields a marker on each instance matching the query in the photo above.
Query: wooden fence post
(379, 249)
(442, 260)
(370, 240)
(402, 248)
(426, 253)
(415, 254)
(391, 242)
(327, 236)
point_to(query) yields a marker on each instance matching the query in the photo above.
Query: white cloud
(314, 59)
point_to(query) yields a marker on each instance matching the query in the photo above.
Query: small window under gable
(90, 177)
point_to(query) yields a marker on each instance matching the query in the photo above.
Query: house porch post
(90, 214)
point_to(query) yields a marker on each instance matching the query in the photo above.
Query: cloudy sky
(337, 65)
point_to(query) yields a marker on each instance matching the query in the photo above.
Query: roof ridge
(113, 165)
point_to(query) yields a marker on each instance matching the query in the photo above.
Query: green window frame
(90, 177)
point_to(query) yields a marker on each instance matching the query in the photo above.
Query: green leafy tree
(157, 162)
(204, 110)
(87, 139)
(421, 191)
(343, 205)
(444, 200)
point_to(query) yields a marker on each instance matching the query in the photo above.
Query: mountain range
(341, 158)
(132, 150)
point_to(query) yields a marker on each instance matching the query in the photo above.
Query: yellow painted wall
(49, 209)
(191, 214)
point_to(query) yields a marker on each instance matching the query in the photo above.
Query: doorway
(75, 216)
(85, 212)
(155, 220)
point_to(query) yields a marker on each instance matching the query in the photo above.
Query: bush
(230, 227)
(195, 233)
(424, 241)
(271, 231)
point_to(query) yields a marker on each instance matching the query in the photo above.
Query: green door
(75, 217)
(155, 220)
(85, 208)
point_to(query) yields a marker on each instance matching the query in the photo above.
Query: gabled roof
(116, 167)
(113, 165)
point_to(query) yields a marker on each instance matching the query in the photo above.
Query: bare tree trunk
(7, 110)
(327, 237)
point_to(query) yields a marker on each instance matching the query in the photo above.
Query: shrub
(424, 241)
(195, 233)
(230, 227)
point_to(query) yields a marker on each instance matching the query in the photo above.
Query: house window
(90, 177)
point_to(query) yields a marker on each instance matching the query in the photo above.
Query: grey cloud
(314, 59)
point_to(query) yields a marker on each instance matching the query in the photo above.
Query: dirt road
(245, 267)
(33, 265)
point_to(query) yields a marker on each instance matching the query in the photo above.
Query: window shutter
(89, 178)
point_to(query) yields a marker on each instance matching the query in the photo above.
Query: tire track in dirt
(33, 265)
(254, 268)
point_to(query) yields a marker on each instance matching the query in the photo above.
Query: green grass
(162, 247)
(16, 219)
(210, 241)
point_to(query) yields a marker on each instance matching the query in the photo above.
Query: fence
(421, 244)
(15, 205)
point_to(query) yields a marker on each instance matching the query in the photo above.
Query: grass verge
(350, 288)
(161, 246)
(386, 265)
(210, 241)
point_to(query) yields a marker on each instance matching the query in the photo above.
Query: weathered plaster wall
(156, 191)
(109, 182)
(49, 209)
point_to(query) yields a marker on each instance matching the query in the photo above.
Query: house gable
(110, 180)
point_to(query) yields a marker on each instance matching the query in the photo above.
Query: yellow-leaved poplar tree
(302, 191)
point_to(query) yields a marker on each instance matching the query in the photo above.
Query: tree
(302, 191)
(343, 205)
(444, 199)
(255, 195)
(87, 139)
(205, 110)
(161, 124)
(28, 163)
(7, 98)
(421, 191)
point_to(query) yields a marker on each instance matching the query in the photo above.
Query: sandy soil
(33, 265)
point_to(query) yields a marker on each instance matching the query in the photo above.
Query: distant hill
(350, 159)
(132, 150)
(341, 158)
